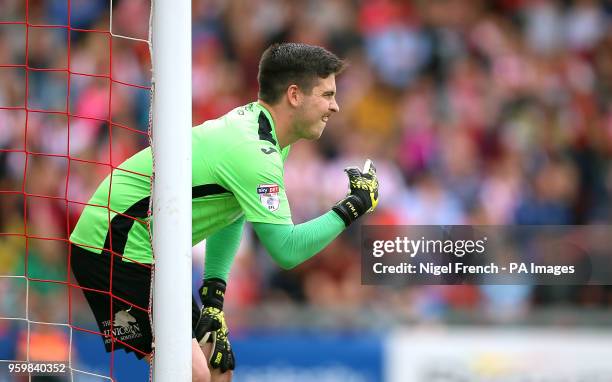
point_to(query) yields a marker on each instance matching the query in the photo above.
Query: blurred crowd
(474, 112)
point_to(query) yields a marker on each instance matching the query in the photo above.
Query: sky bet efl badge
(268, 195)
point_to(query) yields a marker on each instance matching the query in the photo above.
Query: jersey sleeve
(255, 177)
(221, 248)
(291, 245)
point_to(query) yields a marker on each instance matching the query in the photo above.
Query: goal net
(75, 101)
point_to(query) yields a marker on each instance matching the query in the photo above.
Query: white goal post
(171, 45)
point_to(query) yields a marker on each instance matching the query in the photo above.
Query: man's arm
(210, 329)
(221, 249)
(290, 245)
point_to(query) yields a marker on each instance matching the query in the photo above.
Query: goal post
(171, 145)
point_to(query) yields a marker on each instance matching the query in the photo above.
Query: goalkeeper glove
(363, 193)
(211, 325)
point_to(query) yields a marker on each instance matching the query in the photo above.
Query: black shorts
(130, 299)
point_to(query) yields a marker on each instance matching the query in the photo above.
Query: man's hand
(363, 193)
(211, 325)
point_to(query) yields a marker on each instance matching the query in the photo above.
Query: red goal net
(75, 96)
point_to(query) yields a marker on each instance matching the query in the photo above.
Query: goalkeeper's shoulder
(234, 128)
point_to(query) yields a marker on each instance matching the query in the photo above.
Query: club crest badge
(268, 196)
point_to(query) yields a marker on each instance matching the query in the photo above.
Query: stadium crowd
(485, 113)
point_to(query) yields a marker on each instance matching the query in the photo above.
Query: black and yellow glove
(363, 193)
(211, 325)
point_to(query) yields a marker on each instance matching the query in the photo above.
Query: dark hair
(285, 64)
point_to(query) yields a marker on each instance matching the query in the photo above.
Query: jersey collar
(270, 121)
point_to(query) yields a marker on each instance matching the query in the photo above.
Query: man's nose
(333, 106)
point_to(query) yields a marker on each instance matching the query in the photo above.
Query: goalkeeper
(237, 176)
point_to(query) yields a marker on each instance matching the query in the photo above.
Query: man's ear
(294, 95)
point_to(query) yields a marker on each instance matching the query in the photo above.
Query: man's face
(316, 108)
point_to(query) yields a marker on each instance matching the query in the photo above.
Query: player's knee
(217, 376)
(200, 374)
(199, 369)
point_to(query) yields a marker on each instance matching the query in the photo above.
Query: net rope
(33, 111)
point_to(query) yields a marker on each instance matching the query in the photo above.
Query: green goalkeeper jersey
(237, 171)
